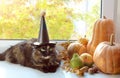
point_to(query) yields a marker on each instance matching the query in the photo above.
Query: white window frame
(110, 9)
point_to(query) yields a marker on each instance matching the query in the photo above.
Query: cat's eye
(51, 49)
(42, 49)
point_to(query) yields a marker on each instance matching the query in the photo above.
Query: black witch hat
(43, 33)
(43, 37)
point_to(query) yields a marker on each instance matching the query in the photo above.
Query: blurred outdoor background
(65, 19)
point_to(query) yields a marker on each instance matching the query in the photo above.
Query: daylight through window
(66, 19)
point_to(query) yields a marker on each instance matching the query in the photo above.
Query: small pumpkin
(107, 57)
(83, 40)
(75, 47)
(103, 28)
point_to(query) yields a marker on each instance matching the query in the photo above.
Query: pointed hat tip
(43, 13)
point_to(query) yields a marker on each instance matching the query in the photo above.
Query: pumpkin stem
(111, 39)
(104, 17)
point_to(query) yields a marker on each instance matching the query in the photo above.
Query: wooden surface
(9, 70)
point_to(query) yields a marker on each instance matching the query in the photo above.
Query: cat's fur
(26, 54)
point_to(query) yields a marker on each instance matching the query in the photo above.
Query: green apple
(87, 59)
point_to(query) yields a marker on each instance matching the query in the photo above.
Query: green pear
(76, 62)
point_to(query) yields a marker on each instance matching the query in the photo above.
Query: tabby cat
(42, 57)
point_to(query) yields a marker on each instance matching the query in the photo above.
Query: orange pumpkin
(75, 47)
(107, 57)
(103, 28)
(83, 41)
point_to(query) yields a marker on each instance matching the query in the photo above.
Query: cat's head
(44, 53)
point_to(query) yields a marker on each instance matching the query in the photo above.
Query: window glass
(65, 19)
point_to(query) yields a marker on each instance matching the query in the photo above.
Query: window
(66, 19)
(112, 10)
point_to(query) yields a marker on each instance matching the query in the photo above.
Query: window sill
(9, 70)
